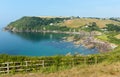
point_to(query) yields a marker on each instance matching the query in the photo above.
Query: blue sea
(39, 44)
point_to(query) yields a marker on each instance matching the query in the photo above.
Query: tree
(92, 27)
(112, 27)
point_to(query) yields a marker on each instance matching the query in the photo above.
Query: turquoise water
(38, 44)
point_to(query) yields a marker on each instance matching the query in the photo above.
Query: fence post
(8, 70)
(73, 63)
(26, 64)
(95, 59)
(85, 60)
(43, 63)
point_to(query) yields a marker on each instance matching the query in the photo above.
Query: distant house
(86, 26)
(51, 24)
(96, 33)
(104, 29)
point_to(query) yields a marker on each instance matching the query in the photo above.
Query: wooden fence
(25, 66)
(9, 67)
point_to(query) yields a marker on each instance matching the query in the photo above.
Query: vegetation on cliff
(73, 24)
(36, 23)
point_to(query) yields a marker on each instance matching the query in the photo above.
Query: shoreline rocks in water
(85, 38)
(91, 42)
(82, 32)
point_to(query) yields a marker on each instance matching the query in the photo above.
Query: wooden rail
(9, 67)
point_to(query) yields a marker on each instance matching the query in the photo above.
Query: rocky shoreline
(91, 42)
(82, 32)
(85, 38)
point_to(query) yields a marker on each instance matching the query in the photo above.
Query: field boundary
(26, 66)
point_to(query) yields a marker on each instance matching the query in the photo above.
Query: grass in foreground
(100, 70)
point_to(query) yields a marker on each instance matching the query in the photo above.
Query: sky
(10, 10)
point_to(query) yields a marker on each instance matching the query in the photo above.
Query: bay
(39, 44)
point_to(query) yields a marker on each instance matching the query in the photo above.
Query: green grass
(75, 23)
(99, 70)
(103, 37)
(117, 36)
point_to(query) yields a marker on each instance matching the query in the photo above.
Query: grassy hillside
(56, 23)
(100, 70)
(74, 23)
